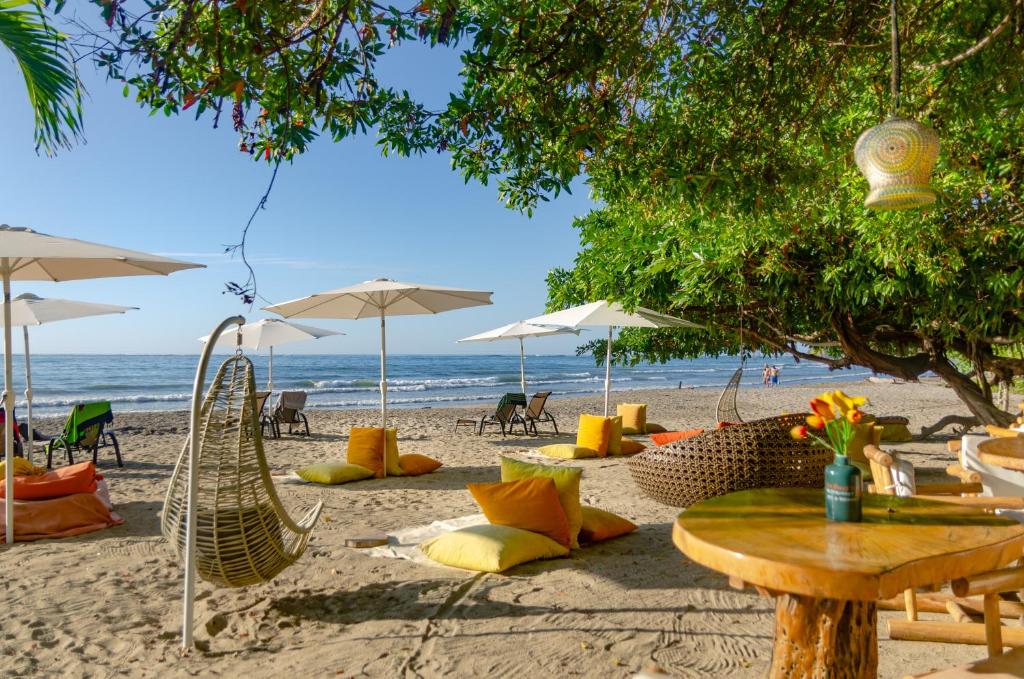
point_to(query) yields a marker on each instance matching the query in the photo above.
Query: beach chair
(288, 410)
(535, 412)
(85, 429)
(504, 415)
(261, 404)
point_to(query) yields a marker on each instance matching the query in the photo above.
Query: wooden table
(827, 576)
(1003, 451)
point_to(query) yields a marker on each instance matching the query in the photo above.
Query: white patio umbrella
(609, 314)
(29, 309)
(519, 330)
(27, 255)
(380, 298)
(268, 332)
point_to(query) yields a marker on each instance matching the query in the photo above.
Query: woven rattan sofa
(758, 454)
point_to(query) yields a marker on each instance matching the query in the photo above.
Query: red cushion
(670, 436)
(76, 478)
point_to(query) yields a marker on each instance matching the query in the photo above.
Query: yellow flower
(841, 402)
(816, 421)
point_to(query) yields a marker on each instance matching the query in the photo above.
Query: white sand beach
(108, 603)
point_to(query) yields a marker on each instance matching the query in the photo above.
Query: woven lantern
(897, 158)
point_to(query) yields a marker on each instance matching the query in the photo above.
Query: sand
(108, 604)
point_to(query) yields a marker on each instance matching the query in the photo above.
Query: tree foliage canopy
(717, 136)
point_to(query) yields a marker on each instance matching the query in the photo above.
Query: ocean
(164, 382)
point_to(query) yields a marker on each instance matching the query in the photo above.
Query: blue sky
(338, 215)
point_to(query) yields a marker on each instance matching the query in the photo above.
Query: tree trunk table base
(824, 639)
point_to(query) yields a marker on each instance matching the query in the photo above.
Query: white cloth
(995, 480)
(405, 542)
(903, 479)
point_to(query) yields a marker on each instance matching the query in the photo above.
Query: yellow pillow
(593, 433)
(366, 449)
(566, 451)
(653, 428)
(863, 434)
(567, 481)
(600, 525)
(631, 447)
(896, 433)
(333, 473)
(530, 504)
(615, 435)
(1000, 432)
(391, 453)
(634, 417)
(491, 548)
(417, 465)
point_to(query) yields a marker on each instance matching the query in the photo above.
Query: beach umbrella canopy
(27, 255)
(519, 330)
(268, 332)
(29, 309)
(378, 299)
(610, 314)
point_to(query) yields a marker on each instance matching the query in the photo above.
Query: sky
(340, 214)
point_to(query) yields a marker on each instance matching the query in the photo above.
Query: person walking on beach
(775, 375)
(766, 373)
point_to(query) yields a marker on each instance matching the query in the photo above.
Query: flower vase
(842, 491)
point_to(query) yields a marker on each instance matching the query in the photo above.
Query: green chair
(84, 430)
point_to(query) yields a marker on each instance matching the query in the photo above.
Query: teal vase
(842, 491)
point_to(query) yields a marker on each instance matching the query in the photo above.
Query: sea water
(164, 382)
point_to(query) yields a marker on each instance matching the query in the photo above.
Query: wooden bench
(1007, 666)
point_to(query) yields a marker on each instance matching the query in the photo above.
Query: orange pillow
(70, 480)
(630, 447)
(528, 504)
(366, 449)
(653, 428)
(670, 436)
(600, 525)
(415, 465)
(593, 432)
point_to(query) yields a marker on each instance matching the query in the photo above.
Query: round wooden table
(826, 577)
(1003, 451)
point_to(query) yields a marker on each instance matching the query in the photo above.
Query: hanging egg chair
(243, 535)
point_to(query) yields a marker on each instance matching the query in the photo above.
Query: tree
(46, 64)
(717, 135)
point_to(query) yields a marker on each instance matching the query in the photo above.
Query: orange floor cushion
(413, 464)
(76, 478)
(62, 517)
(670, 436)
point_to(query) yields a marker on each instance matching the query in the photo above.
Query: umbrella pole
(383, 378)
(608, 371)
(522, 367)
(8, 407)
(270, 370)
(30, 439)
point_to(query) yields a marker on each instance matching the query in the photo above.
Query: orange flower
(854, 416)
(799, 432)
(816, 421)
(822, 409)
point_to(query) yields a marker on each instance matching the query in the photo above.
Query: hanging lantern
(897, 158)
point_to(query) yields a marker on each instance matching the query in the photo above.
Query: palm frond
(45, 59)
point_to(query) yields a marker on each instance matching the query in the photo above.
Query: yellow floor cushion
(566, 451)
(896, 433)
(593, 433)
(615, 435)
(567, 481)
(391, 453)
(630, 447)
(600, 525)
(1000, 432)
(530, 504)
(417, 465)
(654, 428)
(491, 548)
(366, 448)
(634, 417)
(333, 473)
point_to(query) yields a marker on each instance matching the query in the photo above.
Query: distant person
(775, 375)
(766, 375)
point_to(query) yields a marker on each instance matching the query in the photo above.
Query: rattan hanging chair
(726, 410)
(244, 536)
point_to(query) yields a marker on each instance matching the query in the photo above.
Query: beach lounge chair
(288, 410)
(261, 404)
(505, 415)
(535, 412)
(85, 429)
